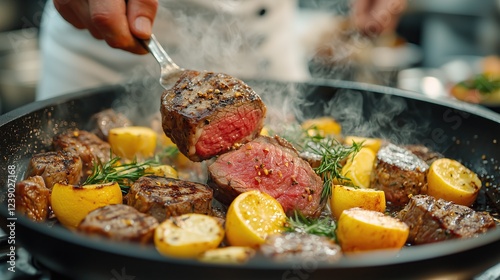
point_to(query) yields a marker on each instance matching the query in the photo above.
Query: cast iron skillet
(457, 130)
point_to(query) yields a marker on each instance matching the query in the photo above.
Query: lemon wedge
(450, 180)
(251, 217)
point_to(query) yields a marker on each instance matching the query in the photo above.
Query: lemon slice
(132, 142)
(323, 125)
(373, 144)
(344, 198)
(163, 170)
(72, 203)
(188, 235)
(251, 217)
(450, 180)
(359, 168)
(366, 230)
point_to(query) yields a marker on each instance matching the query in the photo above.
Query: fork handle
(161, 56)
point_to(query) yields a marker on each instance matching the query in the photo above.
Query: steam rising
(213, 39)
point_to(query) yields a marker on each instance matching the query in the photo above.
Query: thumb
(141, 15)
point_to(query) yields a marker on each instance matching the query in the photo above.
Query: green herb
(482, 83)
(168, 153)
(322, 226)
(123, 174)
(332, 155)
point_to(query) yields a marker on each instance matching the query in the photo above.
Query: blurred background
(437, 44)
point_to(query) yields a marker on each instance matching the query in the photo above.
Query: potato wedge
(344, 197)
(366, 230)
(230, 254)
(188, 235)
(133, 142)
(450, 180)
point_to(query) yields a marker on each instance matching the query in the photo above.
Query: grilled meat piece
(33, 198)
(432, 220)
(399, 173)
(90, 148)
(163, 197)
(270, 165)
(300, 247)
(208, 113)
(107, 119)
(426, 154)
(56, 167)
(119, 222)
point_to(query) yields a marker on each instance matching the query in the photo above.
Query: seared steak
(107, 119)
(33, 198)
(399, 173)
(90, 148)
(119, 222)
(164, 197)
(426, 154)
(270, 165)
(300, 247)
(56, 167)
(208, 113)
(432, 220)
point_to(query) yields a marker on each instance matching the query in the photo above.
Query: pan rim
(407, 255)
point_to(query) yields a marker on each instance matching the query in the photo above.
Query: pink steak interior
(226, 129)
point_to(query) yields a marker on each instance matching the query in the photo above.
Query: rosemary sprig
(332, 155)
(331, 151)
(123, 174)
(168, 153)
(321, 226)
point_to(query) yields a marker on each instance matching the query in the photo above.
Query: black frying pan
(457, 130)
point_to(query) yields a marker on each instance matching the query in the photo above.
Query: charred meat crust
(163, 197)
(300, 247)
(270, 165)
(399, 173)
(199, 99)
(119, 222)
(56, 167)
(426, 154)
(433, 220)
(33, 198)
(106, 120)
(88, 146)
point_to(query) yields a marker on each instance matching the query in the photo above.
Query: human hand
(374, 17)
(117, 22)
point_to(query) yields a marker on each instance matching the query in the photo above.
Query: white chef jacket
(243, 38)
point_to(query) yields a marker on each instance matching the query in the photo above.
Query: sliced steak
(270, 165)
(208, 113)
(33, 198)
(399, 173)
(163, 197)
(119, 222)
(432, 220)
(426, 154)
(300, 247)
(106, 120)
(88, 146)
(56, 167)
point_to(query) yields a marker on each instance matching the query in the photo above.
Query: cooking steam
(210, 39)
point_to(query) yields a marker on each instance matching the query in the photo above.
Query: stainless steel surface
(169, 70)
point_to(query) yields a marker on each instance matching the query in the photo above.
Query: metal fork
(169, 71)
